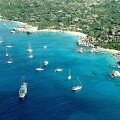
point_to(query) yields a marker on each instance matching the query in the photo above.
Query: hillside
(97, 18)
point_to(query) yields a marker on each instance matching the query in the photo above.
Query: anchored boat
(77, 86)
(23, 88)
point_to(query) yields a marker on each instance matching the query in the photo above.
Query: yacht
(39, 68)
(58, 70)
(30, 48)
(23, 89)
(78, 86)
(46, 63)
(30, 55)
(10, 61)
(9, 45)
(69, 76)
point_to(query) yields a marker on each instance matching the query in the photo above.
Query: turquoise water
(49, 94)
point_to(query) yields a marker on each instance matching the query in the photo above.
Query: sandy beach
(78, 34)
(108, 50)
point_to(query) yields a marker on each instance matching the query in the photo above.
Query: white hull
(9, 62)
(76, 88)
(69, 77)
(12, 31)
(9, 46)
(30, 56)
(45, 63)
(45, 47)
(58, 70)
(39, 69)
(6, 55)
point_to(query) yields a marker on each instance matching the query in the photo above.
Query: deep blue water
(49, 94)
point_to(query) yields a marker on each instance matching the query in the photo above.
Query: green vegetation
(97, 18)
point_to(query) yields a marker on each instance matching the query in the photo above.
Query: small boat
(12, 31)
(46, 63)
(45, 46)
(58, 70)
(39, 68)
(28, 32)
(30, 48)
(23, 89)
(30, 55)
(78, 86)
(69, 76)
(10, 61)
(9, 45)
(80, 50)
(6, 53)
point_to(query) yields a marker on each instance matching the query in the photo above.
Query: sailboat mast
(29, 46)
(69, 72)
(79, 82)
(9, 41)
(6, 50)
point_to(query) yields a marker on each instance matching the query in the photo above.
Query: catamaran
(6, 53)
(39, 68)
(30, 48)
(69, 76)
(23, 88)
(9, 45)
(46, 63)
(78, 86)
(10, 61)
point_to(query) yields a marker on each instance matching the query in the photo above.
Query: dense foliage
(97, 18)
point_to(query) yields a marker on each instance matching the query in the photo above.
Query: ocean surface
(50, 95)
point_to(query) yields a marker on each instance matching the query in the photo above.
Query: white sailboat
(10, 61)
(30, 48)
(58, 70)
(9, 45)
(6, 53)
(39, 68)
(30, 55)
(78, 86)
(23, 88)
(69, 76)
(46, 63)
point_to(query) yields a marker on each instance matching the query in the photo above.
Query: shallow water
(49, 94)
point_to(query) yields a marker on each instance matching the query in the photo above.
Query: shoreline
(78, 34)
(33, 29)
(113, 51)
